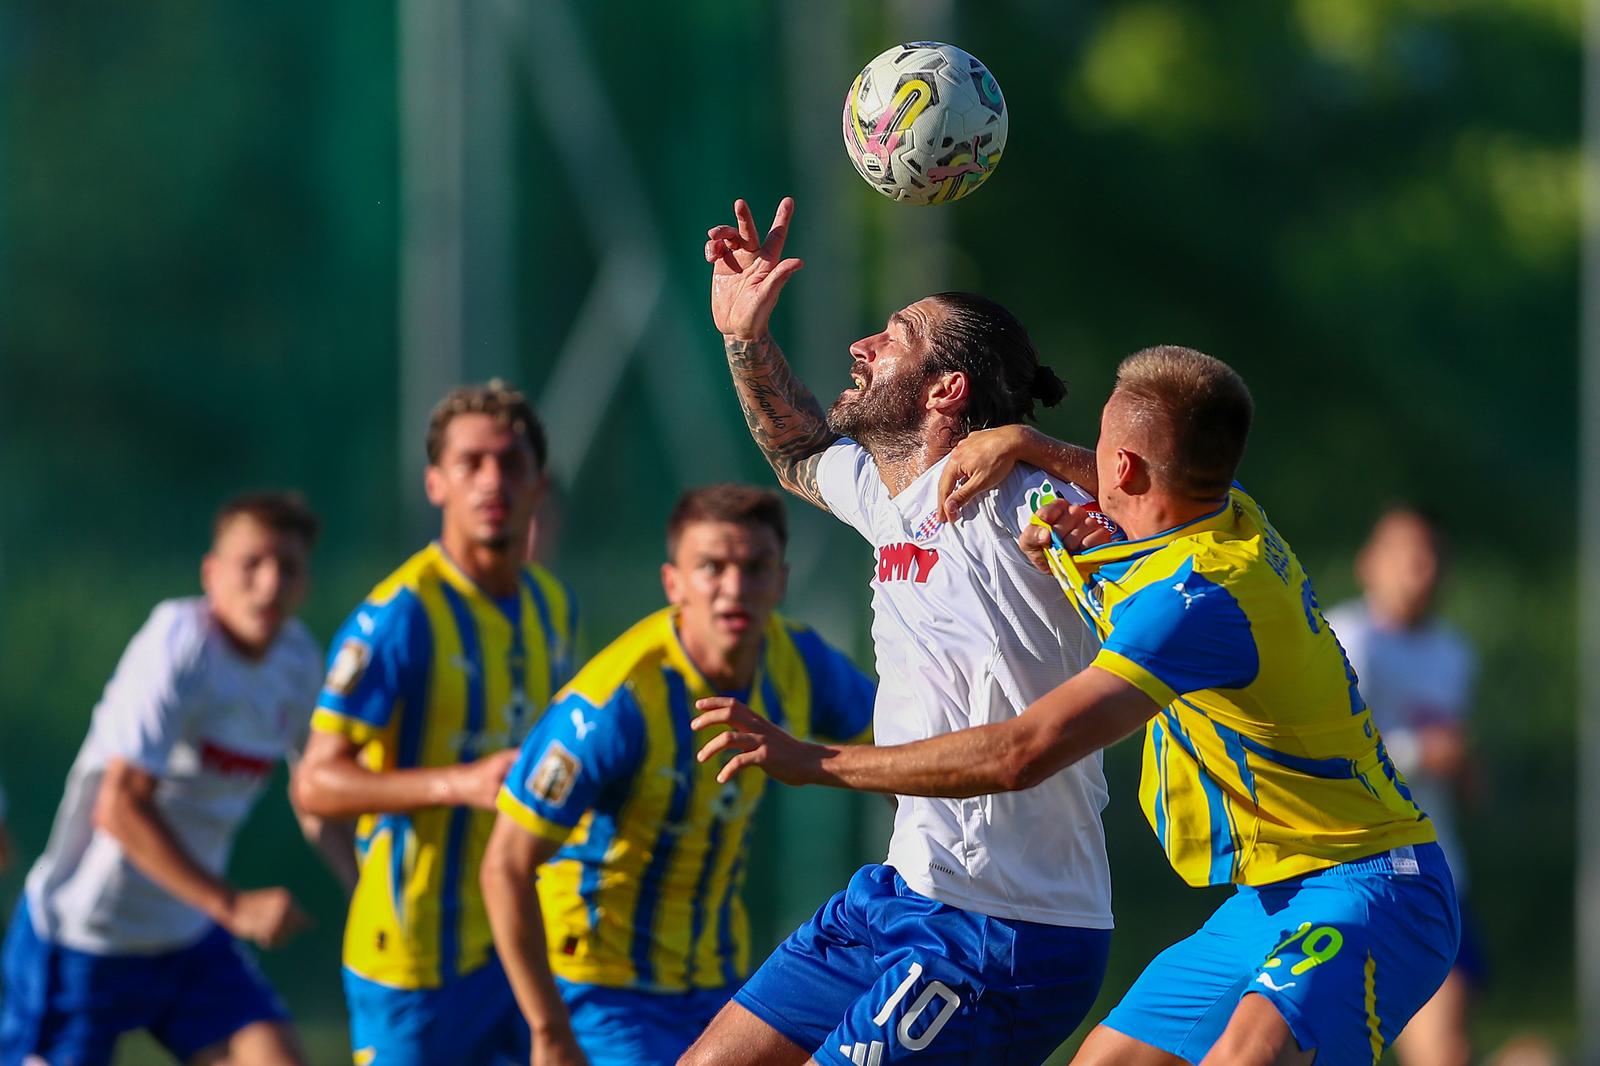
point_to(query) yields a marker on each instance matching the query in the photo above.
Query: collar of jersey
(1118, 551)
(463, 580)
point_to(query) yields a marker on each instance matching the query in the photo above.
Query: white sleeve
(150, 697)
(849, 483)
(1454, 673)
(307, 689)
(1024, 491)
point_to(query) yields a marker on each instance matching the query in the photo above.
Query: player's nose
(865, 348)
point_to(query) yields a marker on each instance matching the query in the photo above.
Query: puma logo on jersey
(580, 725)
(906, 562)
(1188, 597)
(1266, 979)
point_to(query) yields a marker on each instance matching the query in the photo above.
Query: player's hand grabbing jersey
(645, 892)
(1264, 762)
(968, 633)
(431, 671)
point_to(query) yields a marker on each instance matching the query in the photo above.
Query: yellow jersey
(433, 671)
(645, 891)
(1263, 762)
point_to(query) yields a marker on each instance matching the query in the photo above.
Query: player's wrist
(745, 336)
(222, 906)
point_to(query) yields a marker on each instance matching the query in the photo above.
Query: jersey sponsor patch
(906, 562)
(348, 666)
(557, 771)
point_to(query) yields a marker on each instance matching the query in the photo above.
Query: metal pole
(431, 230)
(1588, 820)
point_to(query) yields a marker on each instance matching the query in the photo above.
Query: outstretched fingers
(747, 225)
(772, 247)
(779, 275)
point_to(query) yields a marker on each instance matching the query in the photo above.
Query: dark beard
(885, 419)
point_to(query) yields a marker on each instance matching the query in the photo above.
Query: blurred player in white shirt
(127, 921)
(983, 936)
(1416, 673)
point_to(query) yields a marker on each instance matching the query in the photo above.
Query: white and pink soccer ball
(925, 123)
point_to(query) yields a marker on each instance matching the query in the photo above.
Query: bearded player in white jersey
(127, 921)
(985, 930)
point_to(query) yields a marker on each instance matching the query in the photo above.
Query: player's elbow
(502, 871)
(312, 802)
(118, 800)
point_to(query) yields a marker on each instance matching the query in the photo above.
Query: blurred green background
(1370, 207)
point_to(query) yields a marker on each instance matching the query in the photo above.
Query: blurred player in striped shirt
(431, 684)
(638, 929)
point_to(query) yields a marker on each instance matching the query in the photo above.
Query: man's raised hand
(754, 741)
(748, 273)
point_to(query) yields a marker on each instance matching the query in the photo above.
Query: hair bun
(1047, 388)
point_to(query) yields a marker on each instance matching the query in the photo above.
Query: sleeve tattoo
(784, 417)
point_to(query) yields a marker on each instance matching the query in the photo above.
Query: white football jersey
(1411, 677)
(968, 633)
(212, 725)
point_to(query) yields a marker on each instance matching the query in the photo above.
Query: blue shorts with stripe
(473, 1018)
(1347, 955)
(67, 1006)
(630, 1027)
(883, 975)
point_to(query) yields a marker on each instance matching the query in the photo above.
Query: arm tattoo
(784, 418)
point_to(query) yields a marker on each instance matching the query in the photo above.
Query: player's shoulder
(419, 574)
(615, 671)
(397, 601)
(1021, 494)
(297, 646)
(178, 630)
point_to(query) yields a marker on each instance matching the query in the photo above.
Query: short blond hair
(496, 399)
(1194, 412)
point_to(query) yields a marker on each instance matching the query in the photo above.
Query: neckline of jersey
(1120, 549)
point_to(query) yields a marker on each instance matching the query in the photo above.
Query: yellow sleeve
(1135, 675)
(533, 822)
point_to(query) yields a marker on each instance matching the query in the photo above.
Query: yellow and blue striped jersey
(1263, 762)
(432, 671)
(645, 891)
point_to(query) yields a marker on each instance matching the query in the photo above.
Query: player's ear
(672, 584)
(1130, 467)
(208, 566)
(948, 393)
(433, 485)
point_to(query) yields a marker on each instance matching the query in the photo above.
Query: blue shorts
(883, 975)
(627, 1027)
(473, 1018)
(1346, 954)
(71, 1006)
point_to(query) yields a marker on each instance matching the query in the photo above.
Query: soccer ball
(925, 123)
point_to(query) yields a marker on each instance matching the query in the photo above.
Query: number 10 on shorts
(949, 1003)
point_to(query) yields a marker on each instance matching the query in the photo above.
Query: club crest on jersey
(928, 527)
(906, 562)
(552, 779)
(348, 666)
